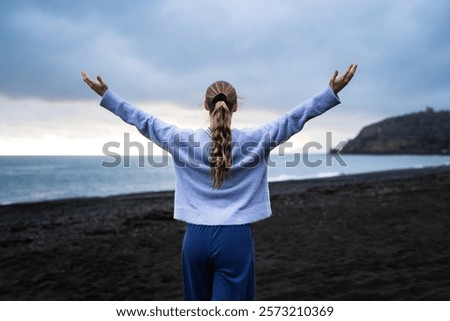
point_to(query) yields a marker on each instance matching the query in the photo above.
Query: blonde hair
(221, 102)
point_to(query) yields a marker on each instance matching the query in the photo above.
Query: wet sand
(376, 236)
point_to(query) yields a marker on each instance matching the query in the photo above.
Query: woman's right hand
(338, 83)
(100, 87)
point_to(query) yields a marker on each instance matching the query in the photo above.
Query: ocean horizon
(25, 179)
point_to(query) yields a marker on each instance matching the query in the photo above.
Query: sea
(26, 179)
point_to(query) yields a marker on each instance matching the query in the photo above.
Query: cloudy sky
(161, 55)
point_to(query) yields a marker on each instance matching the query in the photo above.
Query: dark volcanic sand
(380, 236)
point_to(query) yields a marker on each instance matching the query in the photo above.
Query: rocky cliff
(426, 132)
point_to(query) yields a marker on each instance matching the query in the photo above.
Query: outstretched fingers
(100, 80)
(99, 86)
(87, 79)
(333, 76)
(349, 73)
(338, 83)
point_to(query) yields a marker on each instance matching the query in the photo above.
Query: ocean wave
(328, 174)
(284, 177)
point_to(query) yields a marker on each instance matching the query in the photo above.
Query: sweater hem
(206, 219)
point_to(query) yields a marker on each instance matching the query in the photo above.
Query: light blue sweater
(244, 196)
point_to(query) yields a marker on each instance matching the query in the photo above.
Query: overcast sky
(162, 55)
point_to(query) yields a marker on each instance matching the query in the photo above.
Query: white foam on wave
(328, 174)
(284, 177)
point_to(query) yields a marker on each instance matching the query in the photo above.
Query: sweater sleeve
(151, 127)
(290, 123)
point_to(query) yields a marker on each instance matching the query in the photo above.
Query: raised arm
(151, 127)
(293, 121)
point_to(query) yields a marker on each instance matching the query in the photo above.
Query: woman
(221, 182)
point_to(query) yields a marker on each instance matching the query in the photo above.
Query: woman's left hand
(100, 87)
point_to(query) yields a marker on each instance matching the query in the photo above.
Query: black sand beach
(379, 236)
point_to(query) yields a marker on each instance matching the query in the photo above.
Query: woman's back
(242, 198)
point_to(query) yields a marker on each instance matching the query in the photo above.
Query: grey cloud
(276, 53)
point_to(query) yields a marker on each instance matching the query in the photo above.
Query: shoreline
(310, 180)
(371, 236)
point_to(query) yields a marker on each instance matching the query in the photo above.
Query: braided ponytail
(221, 101)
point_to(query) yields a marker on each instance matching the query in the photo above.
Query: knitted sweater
(244, 196)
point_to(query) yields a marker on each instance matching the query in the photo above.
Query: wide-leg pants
(218, 263)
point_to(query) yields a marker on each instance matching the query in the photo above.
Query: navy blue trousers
(218, 263)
